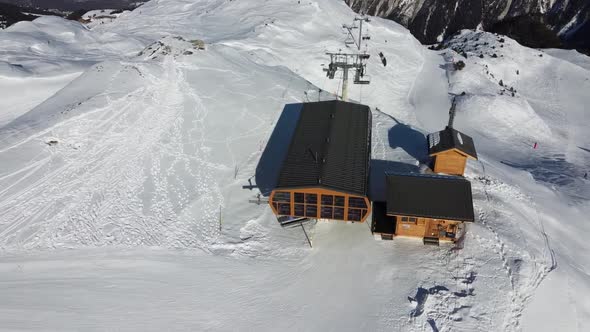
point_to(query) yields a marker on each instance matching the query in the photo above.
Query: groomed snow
(116, 176)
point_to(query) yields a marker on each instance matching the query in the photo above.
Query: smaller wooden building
(432, 207)
(326, 169)
(450, 149)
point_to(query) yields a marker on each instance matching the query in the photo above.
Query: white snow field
(124, 147)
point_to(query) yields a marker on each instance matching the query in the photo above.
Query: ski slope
(124, 149)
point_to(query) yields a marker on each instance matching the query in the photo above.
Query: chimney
(452, 113)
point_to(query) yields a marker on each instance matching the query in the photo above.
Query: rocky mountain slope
(10, 14)
(534, 23)
(72, 5)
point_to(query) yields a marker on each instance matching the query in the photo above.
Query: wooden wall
(450, 162)
(426, 227)
(319, 203)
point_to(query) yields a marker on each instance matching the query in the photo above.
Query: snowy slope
(114, 181)
(97, 17)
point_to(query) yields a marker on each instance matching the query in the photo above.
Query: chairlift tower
(347, 61)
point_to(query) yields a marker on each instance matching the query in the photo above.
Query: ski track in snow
(519, 293)
(96, 189)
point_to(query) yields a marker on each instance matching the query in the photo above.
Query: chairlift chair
(364, 80)
(330, 71)
(360, 77)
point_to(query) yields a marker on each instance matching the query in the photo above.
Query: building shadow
(410, 140)
(377, 185)
(269, 165)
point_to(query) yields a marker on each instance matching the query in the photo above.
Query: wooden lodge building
(432, 207)
(325, 172)
(450, 149)
(325, 175)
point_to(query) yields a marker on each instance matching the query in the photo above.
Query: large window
(305, 205)
(357, 208)
(282, 202)
(311, 210)
(357, 202)
(332, 207)
(313, 205)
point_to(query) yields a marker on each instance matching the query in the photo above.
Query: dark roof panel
(450, 138)
(330, 148)
(431, 196)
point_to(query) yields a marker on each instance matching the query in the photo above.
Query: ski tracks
(522, 290)
(141, 168)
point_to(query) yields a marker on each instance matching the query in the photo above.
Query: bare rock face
(535, 23)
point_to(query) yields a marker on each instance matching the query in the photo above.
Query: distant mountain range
(12, 11)
(10, 14)
(534, 23)
(72, 5)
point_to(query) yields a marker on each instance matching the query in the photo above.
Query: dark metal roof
(382, 223)
(450, 138)
(429, 196)
(331, 148)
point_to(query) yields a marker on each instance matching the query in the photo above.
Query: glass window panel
(299, 210)
(405, 219)
(311, 198)
(311, 210)
(285, 209)
(327, 200)
(326, 212)
(282, 196)
(339, 201)
(339, 213)
(412, 219)
(299, 198)
(354, 214)
(357, 202)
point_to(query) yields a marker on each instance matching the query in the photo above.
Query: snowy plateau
(124, 146)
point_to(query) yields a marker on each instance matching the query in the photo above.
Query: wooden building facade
(450, 149)
(325, 172)
(432, 207)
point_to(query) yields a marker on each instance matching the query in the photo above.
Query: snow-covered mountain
(124, 149)
(433, 20)
(72, 5)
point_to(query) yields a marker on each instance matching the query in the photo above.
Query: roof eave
(391, 213)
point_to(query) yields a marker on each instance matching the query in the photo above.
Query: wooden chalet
(432, 207)
(450, 149)
(325, 172)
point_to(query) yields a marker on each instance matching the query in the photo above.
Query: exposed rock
(563, 22)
